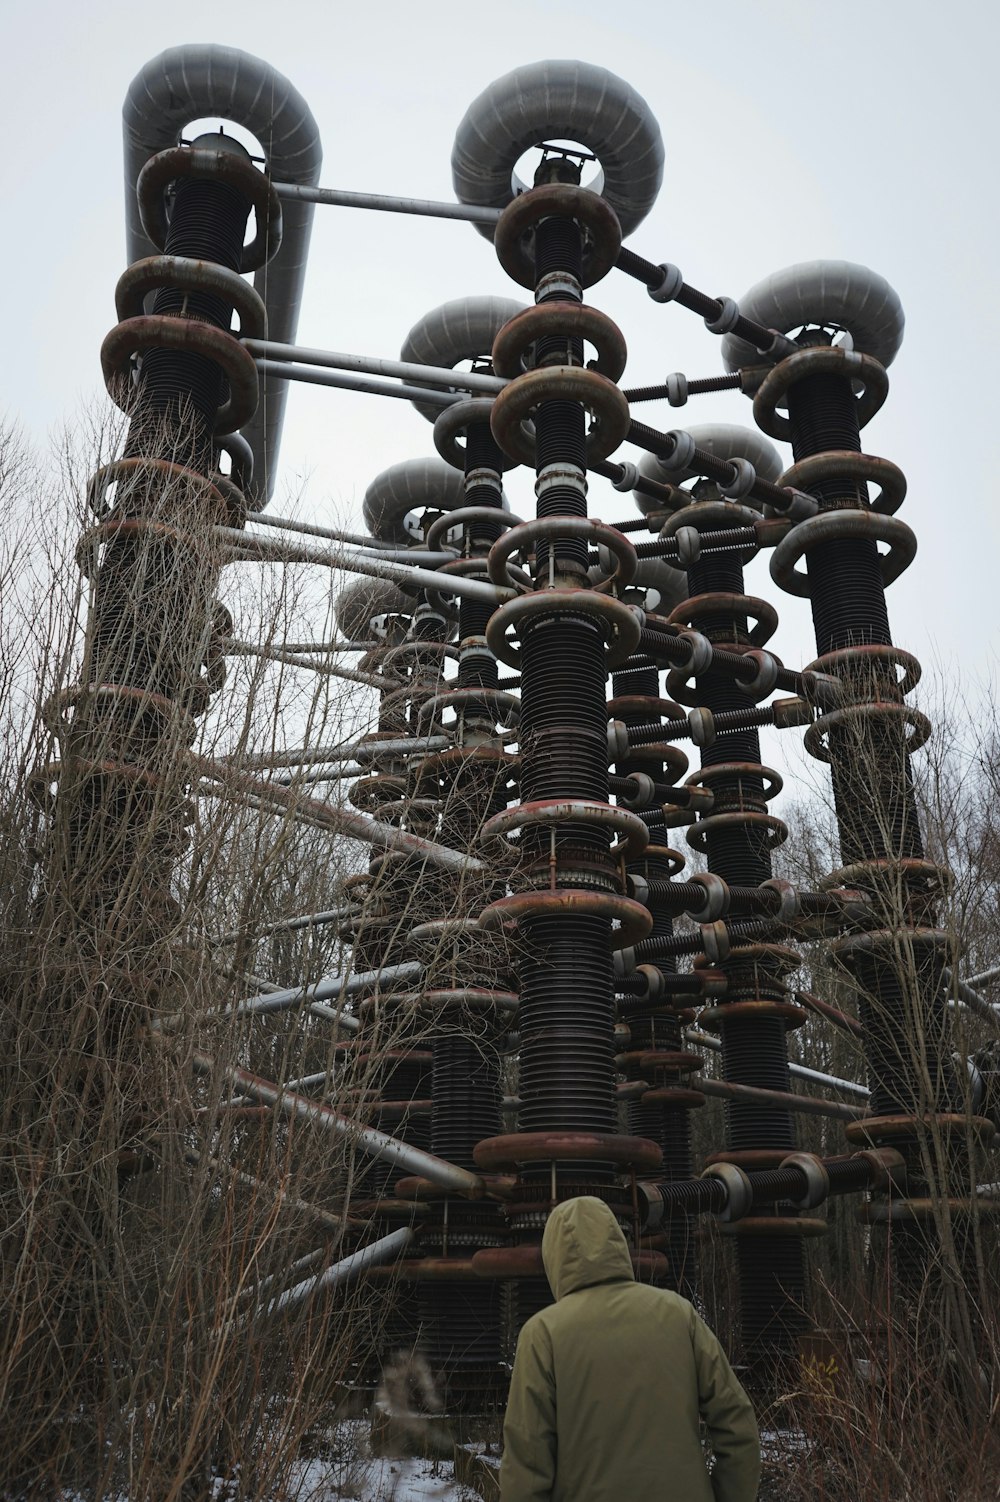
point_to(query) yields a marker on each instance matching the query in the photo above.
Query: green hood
(584, 1244)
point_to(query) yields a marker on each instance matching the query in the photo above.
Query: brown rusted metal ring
(673, 1095)
(646, 705)
(190, 335)
(749, 1158)
(557, 200)
(201, 161)
(710, 607)
(832, 526)
(845, 464)
(821, 360)
(772, 780)
(187, 275)
(131, 526)
(506, 707)
(556, 527)
(887, 1130)
(876, 872)
(674, 860)
(864, 656)
(773, 830)
(712, 1018)
(556, 320)
(621, 625)
(142, 700)
(877, 1212)
(164, 470)
(547, 812)
(635, 921)
(513, 1148)
(517, 401)
(526, 1262)
(640, 1058)
(437, 1002)
(774, 1225)
(439, 528)
(475, 568)
(423, 1270)
(855, 715)
(781, 957)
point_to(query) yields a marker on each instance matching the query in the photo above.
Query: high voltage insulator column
(153, 645)
(737, 837)
(469, 1004)
(866, 731)
(570, 889)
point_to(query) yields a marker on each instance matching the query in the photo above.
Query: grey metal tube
(407, 370)
(331, 670)
(321, 990)
(848, 1087)
(284, 925)
(368, 1140)
(346, 380)
(388, 203)
(399, 573)
(386, 1249)
(972, 999)
(185, 84)
(314, 756)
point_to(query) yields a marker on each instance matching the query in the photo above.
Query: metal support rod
(368, 1140)
(344, 380)
(972, 999)
(355, 825)
(233, 648)
(316, 755)
(407, 370)
(387, 1249)
(388, 203)
(807, 1105)
(321, 990)
(335, 1223)
(283, 925)
(847, 1087)
(263, 548)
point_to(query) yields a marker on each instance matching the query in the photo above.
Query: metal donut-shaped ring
(560, 320)
(555, 811)
(199, 161)
(845, 464)
(441, 528)
(824, 360)
(514, 228)
(457, 418)
(516, 402)
(831, 526)
(560, 101)
(160, 331)
(621, 625)
(565, 526)
(191, 276)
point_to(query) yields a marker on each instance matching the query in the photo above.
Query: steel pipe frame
(263, 549)
(343, 380)
(406, 370)
(343, 198)
(368, 1140)
(376, 1254)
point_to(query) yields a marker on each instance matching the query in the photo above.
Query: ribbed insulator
(466, 1094)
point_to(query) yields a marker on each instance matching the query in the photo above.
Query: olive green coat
(610, 1380)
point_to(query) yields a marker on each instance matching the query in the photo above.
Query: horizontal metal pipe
(367, 1140)
(406, 370)
(807, 1105)
(234, 648)
(315, 755)
(344, 380)
(984, 976)
(345, 821)
(322, 990)
(799, 1071)
(972, 999)
(387, 1249)
(387, 203)
(336, 1223)
(400, 573)
(283, 925)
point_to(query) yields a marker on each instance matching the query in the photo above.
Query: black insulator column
(754, 1051)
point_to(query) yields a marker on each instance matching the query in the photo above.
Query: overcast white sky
(794, 129)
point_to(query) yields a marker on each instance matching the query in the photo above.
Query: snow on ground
(380, 1480)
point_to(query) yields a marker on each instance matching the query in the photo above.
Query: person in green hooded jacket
(610, 1382)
